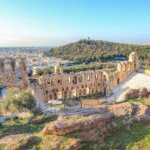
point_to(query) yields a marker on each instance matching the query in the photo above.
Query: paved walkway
(134, 81)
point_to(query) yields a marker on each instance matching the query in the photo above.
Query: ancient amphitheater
(61, 86)
(69, 86)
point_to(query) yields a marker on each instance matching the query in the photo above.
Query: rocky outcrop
(96, 127)
(121, 109)
(71, 124)
(137, 93)
(143, 92)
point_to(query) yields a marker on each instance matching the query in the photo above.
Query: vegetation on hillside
(87, 50)
(108, 66)
(136, 137)
(18, 101)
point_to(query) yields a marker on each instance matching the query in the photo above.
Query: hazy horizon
(44, 23)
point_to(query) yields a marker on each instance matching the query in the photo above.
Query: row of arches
(74, 93)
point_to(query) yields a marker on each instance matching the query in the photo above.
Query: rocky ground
(76, 129)
(133, 81)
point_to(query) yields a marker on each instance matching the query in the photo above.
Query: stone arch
(50, 97)
(87, 90)
(88, 77)
(80, 79)
(65, 95)
(70, 94)
(84, 91)
(75, 80)
(59, 95)
(74, 93)
(93, 91)
(80, 92)
(55, 95)
(118, 81)
(59, 82)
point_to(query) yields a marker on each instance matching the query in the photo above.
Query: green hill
(87, 50)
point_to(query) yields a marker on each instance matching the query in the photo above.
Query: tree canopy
(87, 50)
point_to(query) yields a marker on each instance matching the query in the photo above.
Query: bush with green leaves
(18, 100)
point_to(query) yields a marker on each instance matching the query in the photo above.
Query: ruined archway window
(50, 96)
(80, 79)
(93, 91)
(84, 91)
(59, 82)
(75, 80)
(55, 95)
(87, 90)
(88, 77)
(69, 79)
(118, 81)
(80, 92)
(96, 76)
(48, 82)
(70, 94)
(65, 95)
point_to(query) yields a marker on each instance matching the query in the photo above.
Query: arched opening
(87, 90)
(93, 91)
(80, 79)
(84, 91)
(50, 97)
(118, 81)
(65, 95)
(70, 94)
(74, 93)
(80, 92)
(55, 95)
(75, 80)
(59, 82)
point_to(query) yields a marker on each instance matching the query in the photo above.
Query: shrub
(18, 101)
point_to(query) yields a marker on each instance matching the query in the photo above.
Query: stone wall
(9, 68)
(68, 86)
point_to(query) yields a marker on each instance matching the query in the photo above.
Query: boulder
(121, 109)
(95, 127)
(132, 93)
(143, 92)
(71, 124)
(137, 93)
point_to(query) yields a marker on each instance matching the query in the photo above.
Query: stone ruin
(9, 69)
(61, 86)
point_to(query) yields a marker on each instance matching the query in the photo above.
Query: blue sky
(57, 22)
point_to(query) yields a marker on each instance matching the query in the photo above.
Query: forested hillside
(87, 50)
